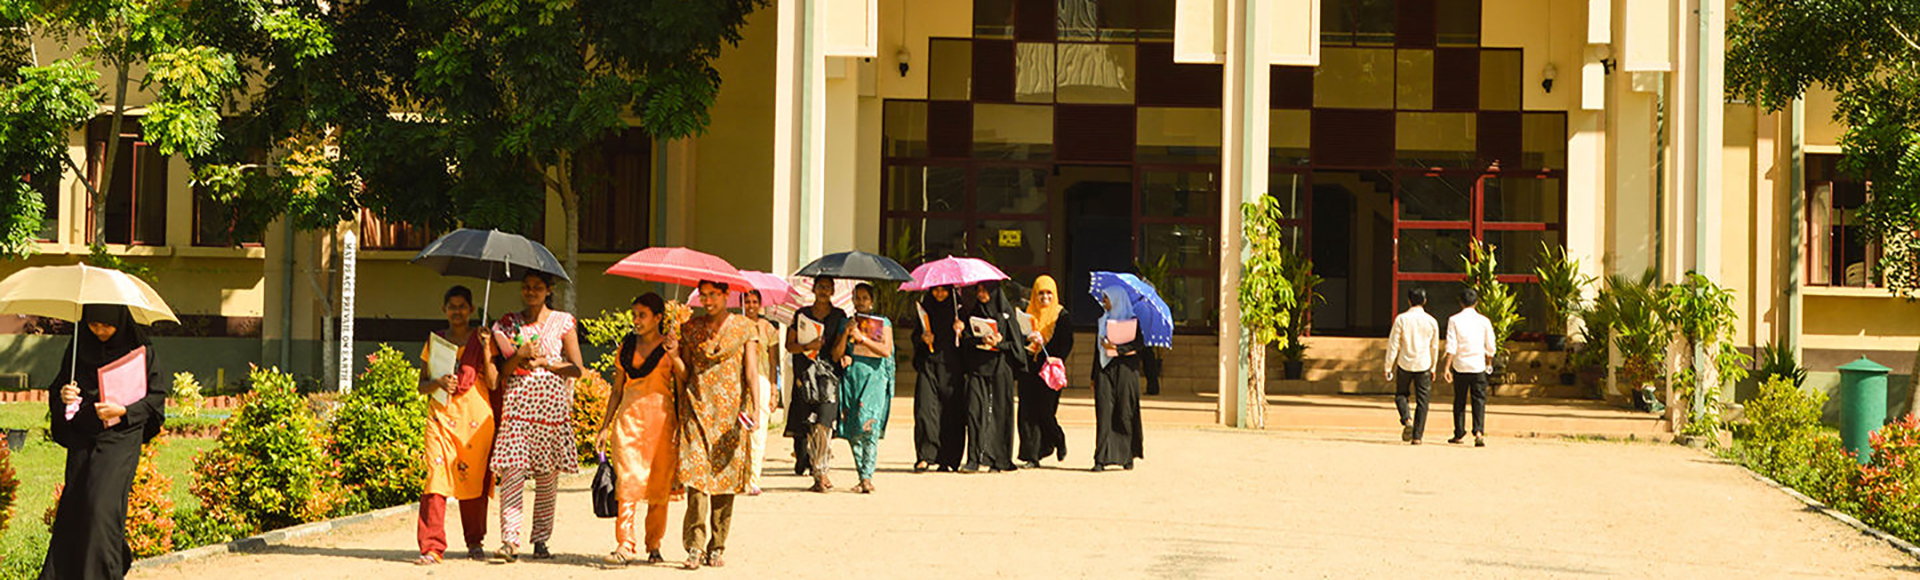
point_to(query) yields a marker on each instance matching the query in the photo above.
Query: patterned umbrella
(802, 297)
(953, 271)
(1156, 320)
(678, 266)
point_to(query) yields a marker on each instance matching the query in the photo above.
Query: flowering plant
(678, 313)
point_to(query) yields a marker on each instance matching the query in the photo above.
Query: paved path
(1210, 503)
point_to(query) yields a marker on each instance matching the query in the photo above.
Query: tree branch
(1903, 36)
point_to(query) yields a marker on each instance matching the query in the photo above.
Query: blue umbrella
(1156, 320)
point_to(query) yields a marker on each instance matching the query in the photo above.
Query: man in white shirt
(1470, 349)
(1412, 347)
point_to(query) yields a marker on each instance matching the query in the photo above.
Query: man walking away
(1412, 347)
(1469, 346)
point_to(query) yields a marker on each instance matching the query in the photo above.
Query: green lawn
(39, 467)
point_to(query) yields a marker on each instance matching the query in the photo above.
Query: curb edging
(263, 541)
(1817, 505)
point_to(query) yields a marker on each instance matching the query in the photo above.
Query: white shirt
(1469, 341)
(1414, 341)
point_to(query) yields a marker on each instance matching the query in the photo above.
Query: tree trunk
(1253, 395)
(570, 209)
(99, 209)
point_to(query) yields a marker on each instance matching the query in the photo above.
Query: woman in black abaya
(939, 399)
(89, 531)
(1116, 388)
(990, 359)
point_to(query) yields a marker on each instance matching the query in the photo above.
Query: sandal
(692, 563)
(920, 467)
(477, 554)
(714, 560)
(617, 559)
(653, 557)
(540, 551)
(505, 555)
(427, 559)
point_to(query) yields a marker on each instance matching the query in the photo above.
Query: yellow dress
(646, 457)
(459, 436)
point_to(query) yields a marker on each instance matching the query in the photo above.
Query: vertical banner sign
(349, 257)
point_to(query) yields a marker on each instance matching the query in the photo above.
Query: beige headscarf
(1044, 317)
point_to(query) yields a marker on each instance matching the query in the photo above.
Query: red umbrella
(773, 289)
(678, 266)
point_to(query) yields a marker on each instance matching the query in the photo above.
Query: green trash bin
(1863, 405)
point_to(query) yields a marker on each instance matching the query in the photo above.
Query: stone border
(1816, 505)
(267, 540)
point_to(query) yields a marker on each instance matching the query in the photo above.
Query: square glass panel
(1354, 78)
(1191, 298)
(933, 238)
(1444, 197)
(1095, 74)
(1033, 72)
(1336, 23)
(1433, 251)
(1081, 19)
(1430, 140)
(1457, 22)
(1413, 86)
(1183, 245)
(993, 19)
(1518, 250)
(1177, 135)
(1012, 243)
(924, 188)
(1290, 137)
(1291, 190)
(950, 69)
(1020, 132)
(1543, 140)
(1522, 199)
(1443, 299)
(1010, 190)
(905, 125)
(1180, 194)
(1374, 22)
(1154, 20)
(1501, 79)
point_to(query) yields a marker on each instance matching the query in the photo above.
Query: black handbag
(606, 503)
(820, 383)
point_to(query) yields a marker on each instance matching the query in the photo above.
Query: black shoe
(920, 467)
(948, 468)
(540, 551)
(1061, 454)
(799, 470)
(1457, 439)
(1127, 466)
(1479, 441)
(1099, 467)
(1406, 432)
(1031, 465)
(970, 468)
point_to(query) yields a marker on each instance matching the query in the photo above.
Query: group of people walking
(679, 423)
(1414, 355)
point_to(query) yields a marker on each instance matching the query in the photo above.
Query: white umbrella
(64, 291)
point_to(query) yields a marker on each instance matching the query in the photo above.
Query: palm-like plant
(1630, 309)
(1497, 301)
(1564, 286)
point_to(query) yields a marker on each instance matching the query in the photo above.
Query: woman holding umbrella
(810, 417)
(1116, 384)
(103, 446)
(994, 347)
(535, 434)
(1040, 432)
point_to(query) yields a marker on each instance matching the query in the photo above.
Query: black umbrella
(857, 266)
(491, 255)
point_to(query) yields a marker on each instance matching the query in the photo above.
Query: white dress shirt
(1469, 341)
(1414, 341)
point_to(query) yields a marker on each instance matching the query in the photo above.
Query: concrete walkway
(1210, 503)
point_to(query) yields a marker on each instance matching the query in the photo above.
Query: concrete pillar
(1243, 166)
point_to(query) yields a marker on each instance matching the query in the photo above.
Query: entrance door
(1352, 247)
(1099, 230)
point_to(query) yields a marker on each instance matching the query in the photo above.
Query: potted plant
(1293, 353)
(1564, 286)
(1267, 301)
(1497, 303)
(1702, 313)
(1630, 309)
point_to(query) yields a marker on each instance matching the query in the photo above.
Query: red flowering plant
(9, 487)
(1888, 486)
(150, 523)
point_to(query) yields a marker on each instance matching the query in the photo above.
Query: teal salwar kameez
(866, 395)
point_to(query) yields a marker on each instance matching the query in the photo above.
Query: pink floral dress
(536, 409)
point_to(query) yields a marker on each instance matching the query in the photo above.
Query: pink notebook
(124, 382)
(1121, 332)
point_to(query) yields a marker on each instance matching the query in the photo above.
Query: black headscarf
(940, 317)
(999, 309)
(94, 353)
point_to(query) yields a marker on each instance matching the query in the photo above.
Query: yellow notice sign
(1010, 238)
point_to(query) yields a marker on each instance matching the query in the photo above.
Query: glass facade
(1062, 138)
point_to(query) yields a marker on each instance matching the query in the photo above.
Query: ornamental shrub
(270, 468)
(9, 487)
(187, 397)
(1889, 485)
(590, 395)
(377, 434)
(150, 523)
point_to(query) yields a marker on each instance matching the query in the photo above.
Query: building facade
(1065, 136)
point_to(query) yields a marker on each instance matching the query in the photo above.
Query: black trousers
(1418, 385)
(1038, 421)
(1465, 386)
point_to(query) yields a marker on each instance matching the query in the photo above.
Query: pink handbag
(1054, 373)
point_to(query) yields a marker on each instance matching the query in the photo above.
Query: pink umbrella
(773, 289)
(953, 271)
(678, 266)
(802, 297)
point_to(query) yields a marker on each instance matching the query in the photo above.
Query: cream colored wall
(1550, 31)
(733, 174)
(842, 157)
(1738, 181)
(1822, 129)
(911, 23)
